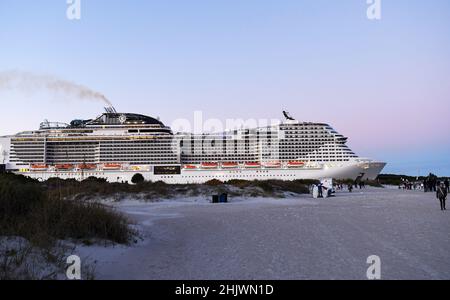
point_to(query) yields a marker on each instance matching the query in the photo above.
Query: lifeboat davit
(210, 165)
(252, 165)
(272, 165)
(190, 167)
(39, 167)
(229, 165)
(64, 167)
(87, 166)
(112, 166)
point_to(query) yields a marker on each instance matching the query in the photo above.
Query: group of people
(357, 184)
(442, 188)
(406, 185)
(320, 190)
(430, 184)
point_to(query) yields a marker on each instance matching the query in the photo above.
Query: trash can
(223, 198)
(215, 199)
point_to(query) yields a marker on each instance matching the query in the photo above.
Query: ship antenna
(288, 116)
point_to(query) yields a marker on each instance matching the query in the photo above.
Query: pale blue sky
(385, 84)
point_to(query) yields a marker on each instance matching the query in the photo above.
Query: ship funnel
(110, 110)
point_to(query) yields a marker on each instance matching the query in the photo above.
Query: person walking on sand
(447, 185)
(441, 194)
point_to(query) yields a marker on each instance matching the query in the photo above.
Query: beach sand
(287, 238)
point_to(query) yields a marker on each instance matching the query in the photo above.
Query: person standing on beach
(320, 188)
(441, 194)
(447, 185)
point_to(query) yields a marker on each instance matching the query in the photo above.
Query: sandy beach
(287, 238)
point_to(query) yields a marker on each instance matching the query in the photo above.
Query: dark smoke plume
(26, 82)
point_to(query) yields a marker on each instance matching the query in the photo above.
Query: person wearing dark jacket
(441, 194)
(447, 185)
(320, 190)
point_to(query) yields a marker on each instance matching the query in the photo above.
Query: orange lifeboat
(87, 166)
(210, 165)
(229, 165)
(39, 167)
(64, 167)
(252, 165)
(272, 165)
(295, 164)
(112, 166)
(190, 167)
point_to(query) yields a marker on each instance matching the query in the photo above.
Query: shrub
(137, 178)
(41, 212)
(78, 219)
(265, 185)
(214, 182)
(239, 183)
(95, 179)
(18, 196)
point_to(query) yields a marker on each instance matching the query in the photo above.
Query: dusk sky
(383, 83)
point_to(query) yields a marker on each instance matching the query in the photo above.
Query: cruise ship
(116, 146)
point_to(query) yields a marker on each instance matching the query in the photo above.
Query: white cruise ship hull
(348, 170)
